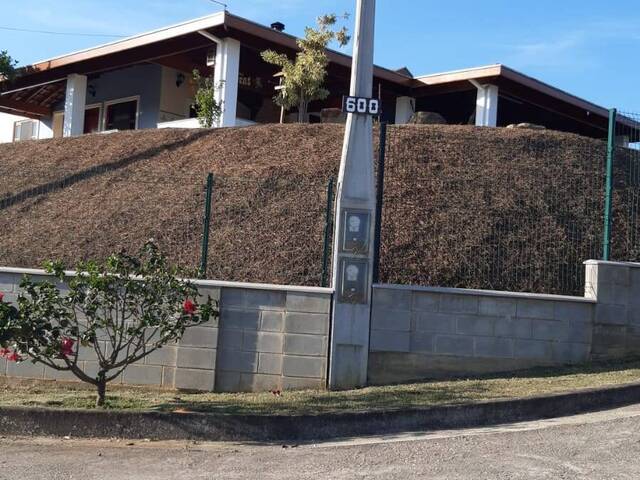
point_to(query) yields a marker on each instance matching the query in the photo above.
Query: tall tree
(303, 78)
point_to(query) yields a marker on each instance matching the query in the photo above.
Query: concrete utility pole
(355, 208)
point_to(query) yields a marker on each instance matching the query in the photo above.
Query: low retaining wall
(267, 337)
(419, 332)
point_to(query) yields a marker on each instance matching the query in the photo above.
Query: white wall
(7, 122)
(175, 100)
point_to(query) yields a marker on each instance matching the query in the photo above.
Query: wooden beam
(22, 108)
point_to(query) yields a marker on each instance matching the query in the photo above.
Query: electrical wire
(47, 32)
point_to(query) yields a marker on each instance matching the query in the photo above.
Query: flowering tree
(123, 309)
(303, 79)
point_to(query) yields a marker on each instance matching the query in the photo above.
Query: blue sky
(588, 47)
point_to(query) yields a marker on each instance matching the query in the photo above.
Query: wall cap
(488, 293)
(614, 264)
(201, 283)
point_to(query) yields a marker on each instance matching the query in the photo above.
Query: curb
(305, 428)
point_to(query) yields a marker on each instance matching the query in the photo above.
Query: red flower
(66, 347)
(189, 307)
(1, 296)
(10, 355)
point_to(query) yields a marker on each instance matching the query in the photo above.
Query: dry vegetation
(490, 208)
(52, 394)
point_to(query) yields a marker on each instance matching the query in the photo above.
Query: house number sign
(361, 105)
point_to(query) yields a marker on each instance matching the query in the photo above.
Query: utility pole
(354, 226)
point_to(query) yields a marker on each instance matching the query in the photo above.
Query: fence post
(327, 234)
(382, 150)
(204, 255)
(608, 190)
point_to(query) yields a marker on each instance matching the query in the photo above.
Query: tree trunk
(102, 389)
(302, 111)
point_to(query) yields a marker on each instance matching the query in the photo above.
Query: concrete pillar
(487, 106)
(74, 105)
(405, 108)
(355, 208)
(226, 78)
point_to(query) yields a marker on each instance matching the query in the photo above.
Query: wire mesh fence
(625, 221)
(521, 212)
(268, 229)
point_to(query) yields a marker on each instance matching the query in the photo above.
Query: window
(25, 130)
(121, 115)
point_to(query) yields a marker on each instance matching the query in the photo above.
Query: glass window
(121, 116)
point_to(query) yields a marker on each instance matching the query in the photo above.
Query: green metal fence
(272, 229)
(491, 209)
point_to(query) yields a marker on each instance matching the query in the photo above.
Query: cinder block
(25, 369)
(143, 375)
(574, 312)
(613, 294)
(611, 314)
(9, 282)
(3, 366)
(169, 377)
(475, 325)
(89, 353)
(513, 327)
(311, 323)
(434, 322)
(571, 353)
(387, 341)
(265, 299)
(227, 381)
(494, 347)
(310, 345)
(497, 307)
(235, 318)
(91, 370)
(66, 375)
(289, 383)
(267, 342)
(579, 332)
(306, 367)
(454, 345)
(252, 382)
(206, 292)
(230, 339)
(426, 301)
(389, 319)
(232, 297)
(532, 308)
(308, 302)
(188, 379)
(10, 298)
(532, 349)
(204, 358)
(613, 275)
(422, 342)
(549, 330)
(200, 337)
(165, 356)
(270, 363)
(451, 303)
(237, 361)
(271, 321)
(392, 299)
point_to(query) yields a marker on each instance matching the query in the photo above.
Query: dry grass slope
(454, 197)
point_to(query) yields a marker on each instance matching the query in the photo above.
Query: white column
(226, 78)
(487, 106)
(354, 230)
(74, 105)
(405, 108)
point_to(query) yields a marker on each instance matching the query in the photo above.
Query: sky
(587, 47)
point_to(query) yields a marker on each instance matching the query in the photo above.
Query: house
(145, 82)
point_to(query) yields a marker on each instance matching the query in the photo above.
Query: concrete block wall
(419, 333)
(267, 337)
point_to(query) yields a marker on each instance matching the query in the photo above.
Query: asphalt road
(604, 445)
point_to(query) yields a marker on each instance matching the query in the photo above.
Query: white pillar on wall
(226, 78)
(74, 105)
(405, 108)
(487, 106)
